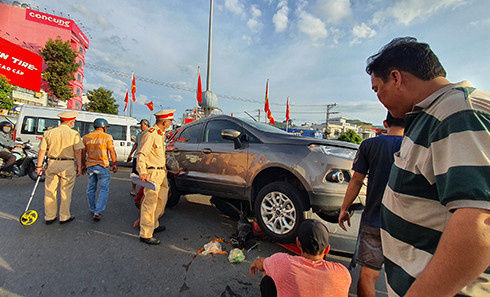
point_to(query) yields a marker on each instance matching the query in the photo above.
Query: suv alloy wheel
(279, 211)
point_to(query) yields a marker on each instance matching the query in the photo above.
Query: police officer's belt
(157, 168)
(61, 159)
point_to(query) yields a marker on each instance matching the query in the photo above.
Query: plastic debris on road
(212, 247)
(236, 256)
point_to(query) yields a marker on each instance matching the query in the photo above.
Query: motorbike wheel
(230, 207)
(173, 193)
(279, 211)
(31, 171)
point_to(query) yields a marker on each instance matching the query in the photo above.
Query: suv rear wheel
(279, 211)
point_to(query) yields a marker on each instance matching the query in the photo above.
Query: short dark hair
(392, 121)
(405, 54)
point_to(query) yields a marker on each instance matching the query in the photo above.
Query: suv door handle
(206, 151)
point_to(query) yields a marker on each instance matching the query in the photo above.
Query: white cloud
(336, 35)
(405, 11)
(254, 24)
(99, 19)
(140, 99)
(247, 39)
(312, 26)
(479, 23)
(176, 98)
(332, 11)
(361, 31)
(235, 6)
(280, 18)
(256, 13)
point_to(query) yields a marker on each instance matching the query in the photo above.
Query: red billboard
(22, 67)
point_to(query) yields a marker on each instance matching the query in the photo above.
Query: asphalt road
(87, 258)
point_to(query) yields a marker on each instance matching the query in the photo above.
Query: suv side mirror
(230, 134)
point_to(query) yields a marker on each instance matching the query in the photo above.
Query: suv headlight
(335, 151)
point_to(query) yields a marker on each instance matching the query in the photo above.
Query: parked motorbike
(25, 163)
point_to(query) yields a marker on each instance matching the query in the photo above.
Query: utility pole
(327, 128)
(210, 42)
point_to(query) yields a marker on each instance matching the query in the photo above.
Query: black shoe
(49, 222)
(152, 241)
(96, 217)
(67, 221)
(159, 229)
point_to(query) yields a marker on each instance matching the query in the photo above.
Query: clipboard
(135, 179)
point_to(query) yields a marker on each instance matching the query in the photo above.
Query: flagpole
(210, 45)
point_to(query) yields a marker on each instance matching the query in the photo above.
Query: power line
(184, 88)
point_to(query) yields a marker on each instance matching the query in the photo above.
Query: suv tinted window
(212, 133)
(190, 134)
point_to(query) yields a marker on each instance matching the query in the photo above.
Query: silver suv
(254, 167)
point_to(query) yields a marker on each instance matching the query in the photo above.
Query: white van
(34, 120)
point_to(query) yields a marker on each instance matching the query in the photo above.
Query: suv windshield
(264, 127)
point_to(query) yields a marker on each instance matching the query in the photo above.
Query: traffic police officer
(63, 146)
(151, 167)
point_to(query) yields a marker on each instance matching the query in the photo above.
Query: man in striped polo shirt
(435, 215)
(95, 162)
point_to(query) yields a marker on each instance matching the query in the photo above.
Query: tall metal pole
(210, 44)
(131, 107)
(329, 107)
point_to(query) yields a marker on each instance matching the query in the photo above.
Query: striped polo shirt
(443, 164)
(97, 145)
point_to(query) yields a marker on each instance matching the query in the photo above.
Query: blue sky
(313, 51)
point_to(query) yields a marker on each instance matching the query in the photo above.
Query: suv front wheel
(279, 211)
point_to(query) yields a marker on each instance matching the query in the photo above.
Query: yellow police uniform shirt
(61, 142)
(152, 150)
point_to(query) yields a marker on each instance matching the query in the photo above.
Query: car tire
(279, 211)
(230, 207)
(173, 193)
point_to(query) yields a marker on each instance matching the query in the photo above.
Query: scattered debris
(236, 256)
(212, 247)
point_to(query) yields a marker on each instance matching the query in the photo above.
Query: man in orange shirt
(305, 275)
(95, 162)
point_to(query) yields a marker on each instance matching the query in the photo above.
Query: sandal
(96, 217)
(132, 194)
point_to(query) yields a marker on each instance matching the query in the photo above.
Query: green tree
(60, 60)
(351, 136)
(6, 89)
(101, 100)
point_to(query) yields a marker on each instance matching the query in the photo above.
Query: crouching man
(305, 275)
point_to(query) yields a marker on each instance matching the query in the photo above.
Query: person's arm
(112, 152)
(40, 158)
(353, 189)
(84, 160)
(257, 266)
(130, 156)
(462, 254)
(146, 142)
(78, 160)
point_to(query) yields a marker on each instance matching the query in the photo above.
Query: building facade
(31, 29)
